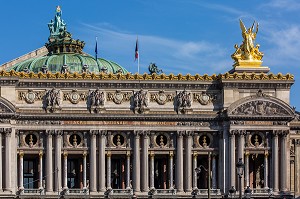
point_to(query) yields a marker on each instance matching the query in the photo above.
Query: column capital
(180, 133)
(297, 142)
(94, 132)
(84, 154)
(103, 133)
(65, 154)
(21, 154)
(108, 153)
(266, 153)
(41, 153)
(50, 132)
(247, 153)
(195, 154)
(6, 131)
(171, 153)
(188, 133)
(145, 133)
(128, 153)
(234, 132)
(58, 133)
(152, 154)
(137, 133)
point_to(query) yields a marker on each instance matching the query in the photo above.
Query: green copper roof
(74, 62)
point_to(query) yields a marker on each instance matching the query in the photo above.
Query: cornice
(145, 77)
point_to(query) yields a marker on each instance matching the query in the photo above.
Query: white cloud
(288, 5)
(173, 56)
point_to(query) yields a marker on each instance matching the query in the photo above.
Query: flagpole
(96, 49)
(137, 40)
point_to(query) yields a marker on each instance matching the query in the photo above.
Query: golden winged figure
(247, 50)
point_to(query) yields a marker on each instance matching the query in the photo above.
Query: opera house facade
(76, 126)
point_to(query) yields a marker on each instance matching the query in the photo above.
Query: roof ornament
(57, 26)
(154, 69)
(247, 56)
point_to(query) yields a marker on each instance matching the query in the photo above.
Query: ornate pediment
(260, 105)
(6, 106)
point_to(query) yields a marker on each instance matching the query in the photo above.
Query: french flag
(136, 56)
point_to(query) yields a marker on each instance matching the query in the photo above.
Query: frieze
(118, 97)
(75, 97)
(5, 121)
(31, 96)
(38, 122)
(204, 124)
(161, 97)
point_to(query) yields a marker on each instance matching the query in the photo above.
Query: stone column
(102, 161)
(93, 165)
(57, 183)
(171, 184)
(275, 160)
(8, 166)
(179, 161)
(214, 171)
(49, 163)
(283, 162)
(108, 172)
(128, 185)
(188, 162)
(65, 171)
(152, 171)
(21, 184)
(241, 146)
(247, 168)
(266, 170)
(297, 166)
(84, 171)
(41, 170)
(136, 162)
(1, 162)
(144, 163)
(195, 174)
(232, 167)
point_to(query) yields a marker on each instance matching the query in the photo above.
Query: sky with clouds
(180, 36)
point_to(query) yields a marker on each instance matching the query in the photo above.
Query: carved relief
(96, 101)
(53, 100)
(140, 101)
(161, 97)
(31, 96)
(259, 107)
(184, 101)
(75, 97)
(118, 97)
(205, 98)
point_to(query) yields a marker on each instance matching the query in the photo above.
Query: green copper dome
(74, 62)
(65, 54)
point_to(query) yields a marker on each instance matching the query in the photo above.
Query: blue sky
(180, 36)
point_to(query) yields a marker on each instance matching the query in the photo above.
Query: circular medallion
(161, 98)
(204, 99)
(118, 97)
(30, 97)
(74, 97)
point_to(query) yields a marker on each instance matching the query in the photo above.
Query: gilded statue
(247, 51)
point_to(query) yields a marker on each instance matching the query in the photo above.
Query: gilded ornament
(248, 54)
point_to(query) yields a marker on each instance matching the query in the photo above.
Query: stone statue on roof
(57, 26)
